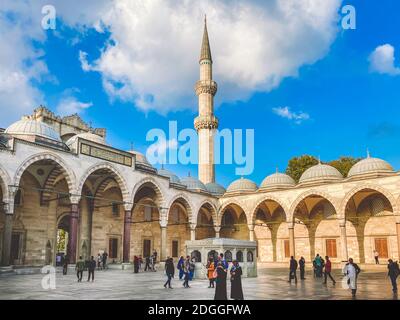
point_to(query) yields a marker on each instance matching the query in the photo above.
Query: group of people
(150, 263)
(102, 261)
(82, 265)
(217, 270)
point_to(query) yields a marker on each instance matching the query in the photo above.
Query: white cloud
(71, 105)
(153, 57)
(382, 60)
(285, 112)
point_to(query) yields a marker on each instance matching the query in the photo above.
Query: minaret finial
(205, 53)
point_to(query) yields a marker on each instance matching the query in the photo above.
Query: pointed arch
(187, 205)
(69, 173)
(279, 201)
(5, 181)
(213, 211)
(156, 186)
(223, 208)
(106, 166)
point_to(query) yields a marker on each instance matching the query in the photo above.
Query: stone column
(217, 229)
(7, 233)
(291, 239)
(192, 232)
(251, 232)
(73, 231)
(398, 237)
(343, 241)
(163, 255)
(127, 236)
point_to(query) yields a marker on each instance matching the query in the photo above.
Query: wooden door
(331, 248)
(287, 248)
(382, 247)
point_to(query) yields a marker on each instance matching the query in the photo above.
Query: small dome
(140, 157)
(278, 180)
(370, 166)
(33, 128)
(172, 177)
(242, 185)
(320, 173)
(193, 184)
(215, 189)
(87, 136)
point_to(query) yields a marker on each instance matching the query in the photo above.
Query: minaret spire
(206, 123)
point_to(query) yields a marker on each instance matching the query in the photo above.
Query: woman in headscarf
(220, 288)
(210, 272)
(236, 281)
(180, 267)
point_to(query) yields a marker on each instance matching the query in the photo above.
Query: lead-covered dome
(278, 180)
(215, 189)
(242, 185)
(193, 184)
(173, 178)
(320, 173)
(370, 166)
(87, 136)
(33, 128)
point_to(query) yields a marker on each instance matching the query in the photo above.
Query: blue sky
(346, 104)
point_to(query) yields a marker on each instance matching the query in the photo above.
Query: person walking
(352, 270)
(105, 255)
(80, 266)
(147, 266)
(65, 265)
(169, 271)
(135, 264)
(180, 267)
(328, 270)
(302, 266)
(292, 270)
(99, 261)
(220, 280)
(140, 263)
(393, 273)
(236, 281)
(376, 256)
(192, 267)
(318, 266)
(186, 270)
(210, 272)
(91, 268)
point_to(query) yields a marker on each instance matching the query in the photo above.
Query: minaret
(206, 123)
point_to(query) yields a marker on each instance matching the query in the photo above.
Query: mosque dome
(369, 166)
(28, 127)
(173, 178)
(87, 136)
(215, 189)
(193, 184)
(320, 173)
(278, 180)
(242, 185)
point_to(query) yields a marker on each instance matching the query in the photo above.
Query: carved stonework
(206, 86)
(205, 122)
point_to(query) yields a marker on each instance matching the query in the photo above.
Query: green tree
(61, 240)
(344, 164)
(298, 165)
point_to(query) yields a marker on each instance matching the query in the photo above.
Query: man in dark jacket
(147, 266)
(328, 270)
(393, 273)
(292, 270)
(302, 265)
(91, 268)
(169, 271)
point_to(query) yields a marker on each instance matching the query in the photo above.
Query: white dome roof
(193, 184)
(173, 178)
(33, 128)
(370, 166)
(320, 173)
(215, 189)
(278, 180)
(243, 185)
(87, 136)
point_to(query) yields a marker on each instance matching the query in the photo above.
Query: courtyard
(271, 284)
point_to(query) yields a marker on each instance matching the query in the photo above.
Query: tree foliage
(344, 164)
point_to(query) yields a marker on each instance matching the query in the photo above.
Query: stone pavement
(118, 284)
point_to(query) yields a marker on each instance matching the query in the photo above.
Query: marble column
(163, 225)
(217, 229)
(7, 233)
(251, 232)
(127, 236)
(291, 240)
(73, 232)
(192, 232)
(343, 241)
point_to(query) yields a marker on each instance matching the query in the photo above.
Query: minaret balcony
(206, 86)
(206, 122)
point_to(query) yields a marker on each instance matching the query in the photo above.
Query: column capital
(342, 223)
(192, 226)
(75, 199)
(290, 224)
(128, 206)
(217, 229)
(163, 223)
(251, 226)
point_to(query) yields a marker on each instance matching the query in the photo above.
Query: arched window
(212, 255)
(228, 256)
(250, 256)
(239, 256)
(196, 255)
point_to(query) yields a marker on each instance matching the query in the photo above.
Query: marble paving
(118, 284)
